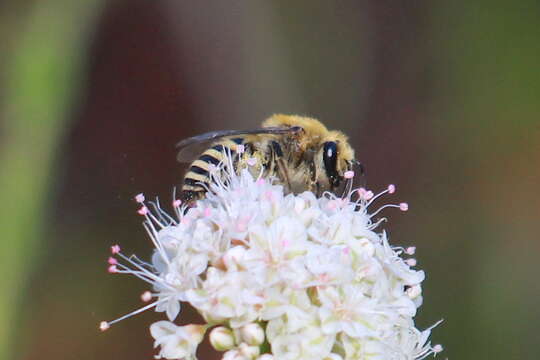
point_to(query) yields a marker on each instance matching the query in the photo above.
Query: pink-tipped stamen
(112, 261)
(141, 272)
(403, 206)
(364, 194)
(115, 249)
(251, 161)
(112, 269)
(382, 208)
(107, 324)
(348, 174)
(240, 149)
(389, 190)
(437, 348)
(428, 350)
(153, 234)
(139, 198)
(176, 203)
(143, 211)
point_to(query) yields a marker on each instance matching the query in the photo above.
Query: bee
(299, 152)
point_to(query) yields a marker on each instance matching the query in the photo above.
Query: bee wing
(190, 148)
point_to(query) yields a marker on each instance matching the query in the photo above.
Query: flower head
(312, 276)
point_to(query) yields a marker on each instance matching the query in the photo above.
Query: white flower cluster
(280, 276)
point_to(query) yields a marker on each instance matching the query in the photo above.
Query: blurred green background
(441, 98)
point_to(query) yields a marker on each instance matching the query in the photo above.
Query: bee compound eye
(330, 161)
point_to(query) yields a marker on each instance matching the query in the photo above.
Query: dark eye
(330, 162)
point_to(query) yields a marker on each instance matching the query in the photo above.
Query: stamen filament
(138, 311)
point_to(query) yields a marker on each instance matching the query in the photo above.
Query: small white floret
(252, 334)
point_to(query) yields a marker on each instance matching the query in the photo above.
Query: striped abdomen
(197, 177)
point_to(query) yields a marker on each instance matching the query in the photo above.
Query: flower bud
(250, 352)
(252, 334)
(222, 338)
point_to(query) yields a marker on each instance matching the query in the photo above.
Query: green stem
(42, 78)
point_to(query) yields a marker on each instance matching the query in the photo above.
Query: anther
(251, 161)
(240, 149)
(411, 262)
(112, 261)
(176, 203)
(362, 193)
(115, 249)
(112, 269)
(103, 325)
(391, 188)
(410, 250)
(143, 210)
(146, 296)
(403, 206)
(139, 198)
(437, 348)
(348, 174)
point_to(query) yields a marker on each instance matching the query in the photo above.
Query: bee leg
(276, 158)
(282, 170)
